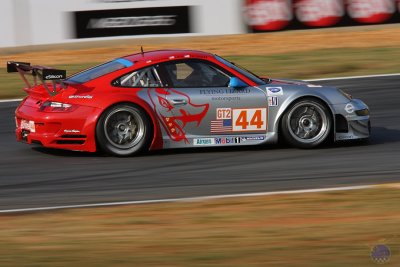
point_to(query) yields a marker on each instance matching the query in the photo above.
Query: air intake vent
(74, 136)
(341, 124)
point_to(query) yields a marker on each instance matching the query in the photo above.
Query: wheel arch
(156, 140)
(293, 101)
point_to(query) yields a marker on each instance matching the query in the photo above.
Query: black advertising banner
(135, 21)
(276, 15)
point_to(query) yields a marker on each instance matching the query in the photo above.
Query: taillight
(50, 106)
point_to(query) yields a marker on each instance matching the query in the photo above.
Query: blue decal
(124, 62)
(274, 89)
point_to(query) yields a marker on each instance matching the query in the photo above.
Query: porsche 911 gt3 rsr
(179, 98)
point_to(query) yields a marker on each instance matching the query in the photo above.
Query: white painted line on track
(310, 80)
(10, 100)
(190, 199)
(354, 77)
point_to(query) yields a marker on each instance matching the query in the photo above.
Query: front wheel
(306, 124)
(123, 130)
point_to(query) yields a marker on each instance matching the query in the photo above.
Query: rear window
(100, 70)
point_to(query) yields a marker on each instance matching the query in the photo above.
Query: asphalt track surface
(36, 177)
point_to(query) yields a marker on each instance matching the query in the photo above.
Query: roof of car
(165, 55)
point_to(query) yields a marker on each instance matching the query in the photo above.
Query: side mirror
(235, 82)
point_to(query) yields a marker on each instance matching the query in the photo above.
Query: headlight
(362, 112)
(50, 106)
(346, 95)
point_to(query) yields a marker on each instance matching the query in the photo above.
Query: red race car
(178, 98)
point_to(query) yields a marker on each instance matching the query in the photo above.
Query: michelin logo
(253, 138)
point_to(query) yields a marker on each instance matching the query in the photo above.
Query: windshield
(241, 70)
(100, 70)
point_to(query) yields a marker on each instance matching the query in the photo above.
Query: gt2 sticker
(239, 120)
(224, 113)
(274, 91)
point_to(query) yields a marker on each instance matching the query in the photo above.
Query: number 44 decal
(249, 119)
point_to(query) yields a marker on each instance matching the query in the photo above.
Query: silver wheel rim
(307, 122)
(124, 128)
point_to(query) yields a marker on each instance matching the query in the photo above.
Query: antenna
(141, 50)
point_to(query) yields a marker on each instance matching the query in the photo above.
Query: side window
(147, 77)
(195, 74)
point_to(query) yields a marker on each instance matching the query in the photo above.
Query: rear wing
(38, 72)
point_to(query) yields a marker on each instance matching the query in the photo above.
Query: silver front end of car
(352, 120)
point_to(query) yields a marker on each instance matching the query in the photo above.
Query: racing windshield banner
(275, 15)
(135, 21)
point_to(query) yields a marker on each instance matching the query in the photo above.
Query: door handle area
(179, 102)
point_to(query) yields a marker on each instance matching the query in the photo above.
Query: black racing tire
(123, 130)
(307, 123)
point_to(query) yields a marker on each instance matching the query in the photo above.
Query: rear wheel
(123, 130)
(306, 124)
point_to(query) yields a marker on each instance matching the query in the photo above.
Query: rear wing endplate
(38, 72)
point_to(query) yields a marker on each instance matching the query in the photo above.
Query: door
(206, 111)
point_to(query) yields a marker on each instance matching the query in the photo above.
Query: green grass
(319, 229)
(314, 64)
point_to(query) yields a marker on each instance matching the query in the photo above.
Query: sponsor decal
(227, 140)
(203, 141)
(371, 11)
(252, 138)
(225, 98)
(317, 13)
(127, 22)
(133, 21)
(53, 76)
(28, 125)
(222, 91)
(80, 96)
(349, 108)
(224, 113)
(274, 91)
(345, 137)
(268, 15)
(71, 131)
(350, 116)
(272, 101)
